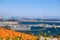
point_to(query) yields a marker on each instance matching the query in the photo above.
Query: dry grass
(13, 35)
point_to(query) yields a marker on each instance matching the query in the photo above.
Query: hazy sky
(29, 8)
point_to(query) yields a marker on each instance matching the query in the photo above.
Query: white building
(14, 25)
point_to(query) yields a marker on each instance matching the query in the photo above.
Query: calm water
(38, 29)
(50, 23)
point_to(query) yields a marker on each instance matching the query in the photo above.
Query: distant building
(14, 25)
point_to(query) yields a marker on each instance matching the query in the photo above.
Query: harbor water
(41, 30)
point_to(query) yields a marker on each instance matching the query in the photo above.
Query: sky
(30, 8)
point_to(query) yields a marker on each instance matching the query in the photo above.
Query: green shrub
(7, 38)
(17, 38)
(12, 39)
(45, 38)
(20, 36)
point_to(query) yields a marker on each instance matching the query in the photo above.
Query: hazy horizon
(30, 8)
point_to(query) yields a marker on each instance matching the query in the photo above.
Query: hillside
(10, 34)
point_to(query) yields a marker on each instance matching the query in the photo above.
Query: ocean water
(31, 23)
(48, 31)
(41, 30)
